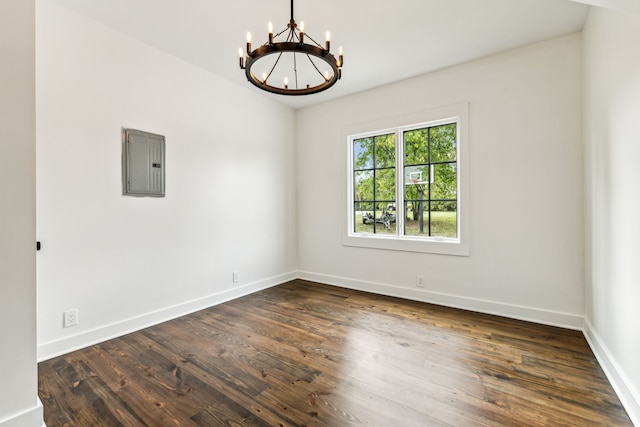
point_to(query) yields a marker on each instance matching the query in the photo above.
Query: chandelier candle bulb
(286, 83)
(248, 43)
(340, 57)
(328, 44)
(301, 32)
(241, 57)
(270, 33)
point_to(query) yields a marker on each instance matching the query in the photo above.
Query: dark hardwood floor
(305, 354)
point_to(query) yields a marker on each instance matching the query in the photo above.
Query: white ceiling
(384, 41)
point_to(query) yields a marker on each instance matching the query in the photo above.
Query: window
(374, 178)
(404, 189)
(431, 181)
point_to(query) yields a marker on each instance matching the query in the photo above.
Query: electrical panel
(143, 163)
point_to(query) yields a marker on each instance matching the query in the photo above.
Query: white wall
(19, 404)
(526, 192)
(126, 262)
(612, 151)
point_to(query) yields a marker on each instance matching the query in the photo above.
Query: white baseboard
(530, 314)
(75, 342)
(84, 339)
(30, 418)
(627, 393)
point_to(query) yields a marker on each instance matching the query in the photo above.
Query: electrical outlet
(70, 318)
(236, 276)
(420, 281)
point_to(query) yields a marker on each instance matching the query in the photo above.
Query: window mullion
(429, 179)
(375, 189)
(399, 183)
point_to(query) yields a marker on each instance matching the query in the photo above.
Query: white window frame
(458, 113)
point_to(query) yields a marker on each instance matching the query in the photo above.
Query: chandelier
(291, 66)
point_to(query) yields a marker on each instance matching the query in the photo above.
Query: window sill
(442, 246)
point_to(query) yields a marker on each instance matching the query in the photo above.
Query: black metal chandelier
(312, 67)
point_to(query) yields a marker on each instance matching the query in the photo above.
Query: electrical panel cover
(143, 163)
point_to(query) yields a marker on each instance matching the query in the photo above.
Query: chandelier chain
(295, 69)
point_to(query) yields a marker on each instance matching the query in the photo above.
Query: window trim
(439, 245)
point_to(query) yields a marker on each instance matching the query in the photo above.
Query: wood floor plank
(306, 354)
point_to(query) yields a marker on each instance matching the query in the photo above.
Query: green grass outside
(443, 224)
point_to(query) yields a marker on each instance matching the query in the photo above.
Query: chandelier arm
(281, 32)
(315, 66)
(274, 67)
(316, 43)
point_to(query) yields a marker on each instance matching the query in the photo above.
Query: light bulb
(241, 58)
